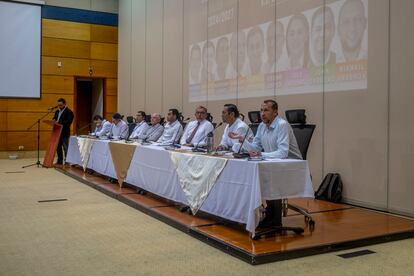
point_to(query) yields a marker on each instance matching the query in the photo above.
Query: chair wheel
(311, 224)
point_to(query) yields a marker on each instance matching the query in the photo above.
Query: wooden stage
(338, 226)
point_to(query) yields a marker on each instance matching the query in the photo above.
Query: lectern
(53, 143)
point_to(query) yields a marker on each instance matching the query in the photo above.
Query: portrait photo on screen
(323, 48)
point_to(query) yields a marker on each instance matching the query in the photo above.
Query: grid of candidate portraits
(324, 48)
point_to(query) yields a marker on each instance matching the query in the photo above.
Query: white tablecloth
(237, 194)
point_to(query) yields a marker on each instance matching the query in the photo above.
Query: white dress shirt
(238, 127)
(277, 141)
(139, 129)
(103, 130)
(153, 133)
(119, 130)
(172, 133)
(200, 136)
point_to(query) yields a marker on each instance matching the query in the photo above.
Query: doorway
(89, 102)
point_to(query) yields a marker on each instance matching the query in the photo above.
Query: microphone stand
(38, 164)
(82, 128)
(195, 149)
(239, 154)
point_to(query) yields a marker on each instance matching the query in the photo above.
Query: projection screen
(20, 43)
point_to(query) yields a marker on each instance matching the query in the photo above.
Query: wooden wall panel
(27, 139)
(56, 47)
(40, 105)
(65, 29)
(3, 141)
(102, 68)
(57, 84)
(3, 121)
(104, 51)
(70, 66)
(107, 34)
(20, 121)
(111, 103)
(3, 104)
(111, 87)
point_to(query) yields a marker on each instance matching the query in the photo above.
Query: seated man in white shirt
(195, 133)
(154, 132)
(102, 126)
(172, 130)
(274, 136)
(235, 127)
(119, 129)
(140, 127)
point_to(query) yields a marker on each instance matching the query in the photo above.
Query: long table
(236, 195)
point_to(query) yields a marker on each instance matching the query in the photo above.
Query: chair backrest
(254, 127)
(296, 116)
(131, 128)
(254, 117)
(242, 116)
(209, 117)
(303, 134)
(130, 119)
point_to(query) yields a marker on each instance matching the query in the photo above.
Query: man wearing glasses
(141, 126)
(195, 133)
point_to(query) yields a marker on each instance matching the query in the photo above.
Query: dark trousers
(63, 143)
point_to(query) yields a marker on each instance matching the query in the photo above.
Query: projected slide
(322, 48)
(20, 33)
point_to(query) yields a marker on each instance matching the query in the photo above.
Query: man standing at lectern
(64, 116)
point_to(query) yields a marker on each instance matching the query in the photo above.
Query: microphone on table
(245, 154)
(82, 128)
(195, 149)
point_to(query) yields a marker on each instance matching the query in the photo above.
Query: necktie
(188, 141)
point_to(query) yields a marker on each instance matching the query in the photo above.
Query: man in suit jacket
(64, 116)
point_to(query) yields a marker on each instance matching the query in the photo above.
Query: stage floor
(338, 226)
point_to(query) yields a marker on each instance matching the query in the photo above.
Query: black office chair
(255, 120)
(131, 125)
(303, 134)
(254, 117)
(254, 127)
(209, 117)
(242, 116)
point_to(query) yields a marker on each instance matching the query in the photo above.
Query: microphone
(52, 107)
(239, 154)
(195, 149)
(85, 126)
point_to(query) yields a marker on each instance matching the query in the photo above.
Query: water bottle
(210, 142)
